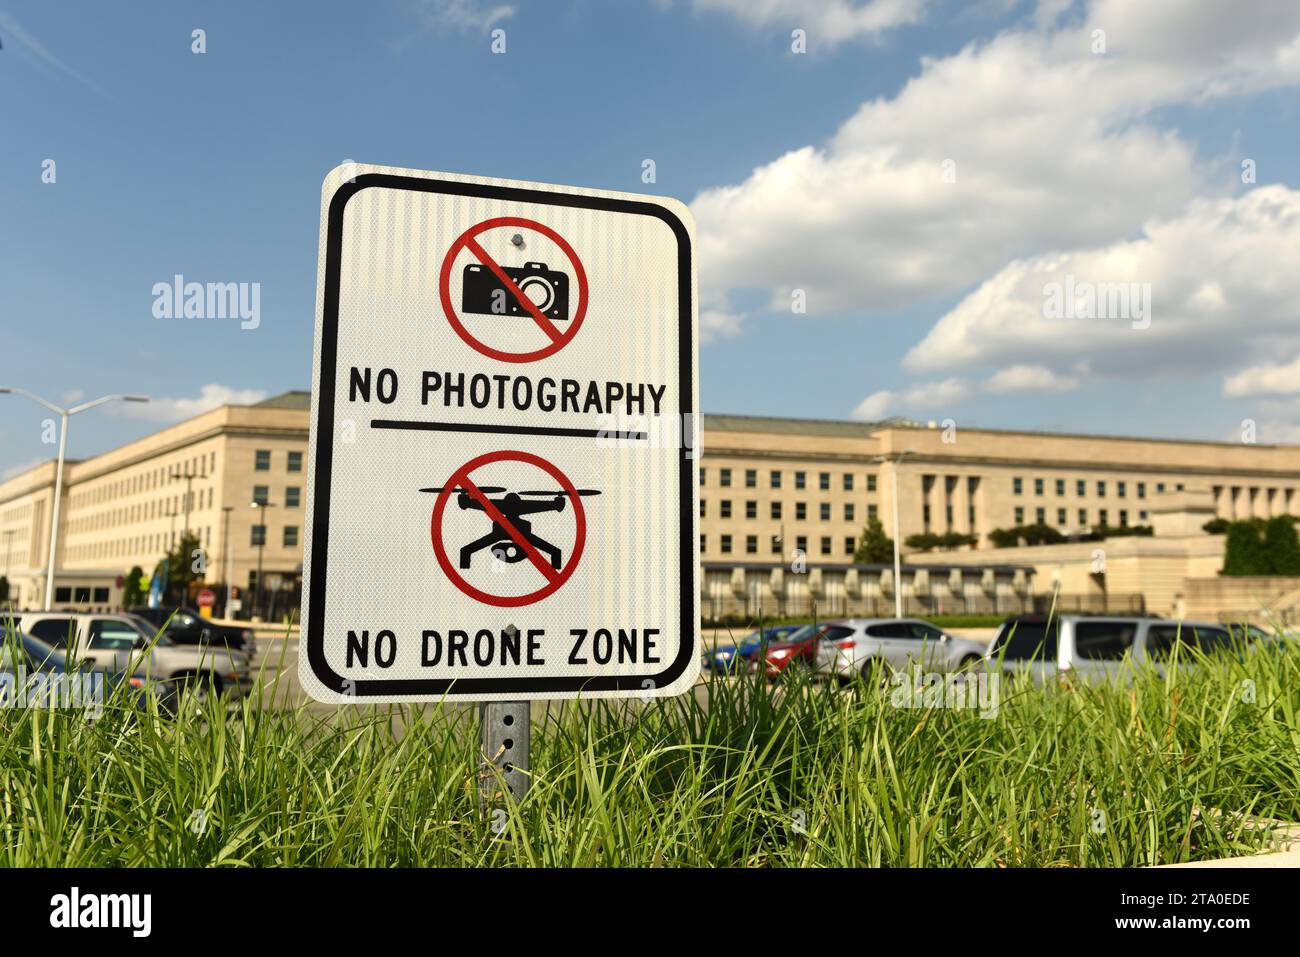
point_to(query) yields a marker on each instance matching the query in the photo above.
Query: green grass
(801, 775)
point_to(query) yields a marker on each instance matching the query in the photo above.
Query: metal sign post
(505, 733)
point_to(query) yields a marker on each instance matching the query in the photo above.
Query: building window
(724, 477)
(800, 479)
(703, 472)
(1123, 518)
(62, 593)
(871, 483)
(1101, 489)
(1061, 516)
(1160, 486)
(1060, 487)
(1083, 516)
(1040, 516)
(776, 544)
(824, 511)
(751, 509)
(775, 478)
(751, 544)
(1121, 489)
(826, 544)
(848, 482)
(101, 595)
(295, 462)
(1081, 488)
(925, 516)
(824, 481)
(776, 509)
(872, 511)
(704, 542)
(1178, 487)
(258, 536)
(726, 544)
(1020, 515)
(1017, 486)
(1038, 486)
(801, 544)
(261, 493)
(262, 460)
(725, 511)
(703, 510)
(751, 478)
(290, 536)
(1142, 489)
(947, 515)
(292, 494)
(800, 511)
(850, 546)
(1101, 518)
(1142, 516)
(848, 511)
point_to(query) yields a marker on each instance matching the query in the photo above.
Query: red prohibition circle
(462, 475)
(444, 289)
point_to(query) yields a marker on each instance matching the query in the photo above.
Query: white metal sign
(502, 500)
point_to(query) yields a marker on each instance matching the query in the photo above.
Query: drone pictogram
(512, 506)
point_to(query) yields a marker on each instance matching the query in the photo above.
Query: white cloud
(1029, 378)
(1224, 292)
(827, 22)
(1052, 146)
(1268, 378)
(923, 395)
(11, 29)
(718, 324)
(462, 14)
(210, 397)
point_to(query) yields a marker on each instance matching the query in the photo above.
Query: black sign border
(323, 464)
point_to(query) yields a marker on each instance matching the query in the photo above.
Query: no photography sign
(503, 500)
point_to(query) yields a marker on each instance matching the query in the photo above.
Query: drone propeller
(485, 489)
(580, 491)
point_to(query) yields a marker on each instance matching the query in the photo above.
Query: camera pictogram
(483, 292)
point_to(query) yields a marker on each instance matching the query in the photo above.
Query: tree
(1243, 551)
(1216, 526)
(134, 592)
(875, 547)
(183, 564)
(1280, 554)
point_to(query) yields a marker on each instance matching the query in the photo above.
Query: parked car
(863, 646)
(1098, 646)
(19, 650)
(730, 658)
(120, 643)
(799, 648)
(185, 626)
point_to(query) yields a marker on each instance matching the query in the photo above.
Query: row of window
(1062, 516)
(774, 479)
(288, 539)
(776, 510)
(143, 511)
(292, 495)
(262, 461)
(774, 544)
(1081, 487)
(161, 542)
(199, 466)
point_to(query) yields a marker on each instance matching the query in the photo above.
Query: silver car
(851, 647)
(119, 643)
(1101, 646)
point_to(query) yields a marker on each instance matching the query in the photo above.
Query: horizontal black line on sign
(503, 429)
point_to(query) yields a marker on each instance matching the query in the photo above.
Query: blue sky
(210, 166)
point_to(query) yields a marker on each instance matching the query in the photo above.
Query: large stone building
(773, 492)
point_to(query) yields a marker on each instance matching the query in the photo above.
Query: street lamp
(893, 459)
(261, 545)
(64, 415)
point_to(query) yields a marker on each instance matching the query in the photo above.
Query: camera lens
(539, 291)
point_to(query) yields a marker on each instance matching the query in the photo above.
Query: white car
(119, 643)
(850, 647)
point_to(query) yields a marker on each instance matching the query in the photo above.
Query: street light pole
(261, 521)
(893, 459)
(226, 555)
(64, 415)
(189, 478)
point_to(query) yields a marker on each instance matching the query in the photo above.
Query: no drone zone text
(471, 648)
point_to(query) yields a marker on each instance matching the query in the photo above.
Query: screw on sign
(533, 290)
(511, 537)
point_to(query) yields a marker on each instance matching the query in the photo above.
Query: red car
(801, 647)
